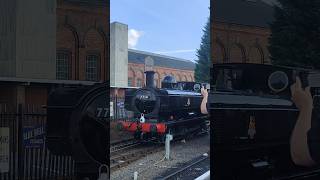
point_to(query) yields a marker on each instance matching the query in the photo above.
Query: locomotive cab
(169, 82)
(253, 118)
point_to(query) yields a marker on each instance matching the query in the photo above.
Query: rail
(176, 174)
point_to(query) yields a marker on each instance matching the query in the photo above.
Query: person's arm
(203, 106)
(300, 152)
(314, 137)
(299, 147)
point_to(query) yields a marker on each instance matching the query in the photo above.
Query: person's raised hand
(204, 92)
(203, 105)
(302, 98)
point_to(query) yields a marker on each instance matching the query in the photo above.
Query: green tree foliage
(203, 64)
(295, 38)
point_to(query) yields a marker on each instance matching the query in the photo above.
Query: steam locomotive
(253, 118)
(174, 109)
(77, 126)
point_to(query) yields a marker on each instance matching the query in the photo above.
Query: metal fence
(23, 152)
(117, 109)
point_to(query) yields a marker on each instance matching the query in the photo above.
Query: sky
(168, 27)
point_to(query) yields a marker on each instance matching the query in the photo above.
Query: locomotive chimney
(150, 79)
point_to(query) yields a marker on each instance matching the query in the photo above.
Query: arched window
(63, 65)
(191, 78)
(131, 76)
(238, 54)
(130, 81)
(92, 67)
(177, 77)
(219, 53)
(183, 78)
(139, 83)
(156, 79)
(256, 55)
(139, 75)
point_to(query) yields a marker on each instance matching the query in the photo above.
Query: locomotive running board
(172, 123)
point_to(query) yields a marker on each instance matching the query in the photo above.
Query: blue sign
(33, 136)
(121, 104)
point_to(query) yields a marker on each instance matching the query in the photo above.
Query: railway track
(121, 145)
(122, 153)
(123, 157)
(191, 170)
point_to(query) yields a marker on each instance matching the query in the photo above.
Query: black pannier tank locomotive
(160, 111)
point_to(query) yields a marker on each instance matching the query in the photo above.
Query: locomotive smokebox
(150, 79)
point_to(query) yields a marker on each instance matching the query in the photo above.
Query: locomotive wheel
(119, 127)
(136, 135)
(184, 131)
(162, 138)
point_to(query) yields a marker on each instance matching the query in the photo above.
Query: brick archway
(256, 55)
(93, 43)
(131, 77)
(237, 54)
(68, 41)
(219, 52)
(139, 79)
(157, 79)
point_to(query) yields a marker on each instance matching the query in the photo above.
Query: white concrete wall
(118, 55)
(7, 38)
(28, 38)
(36, 39)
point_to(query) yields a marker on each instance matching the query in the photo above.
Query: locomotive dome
(169, 79)
(168, 82)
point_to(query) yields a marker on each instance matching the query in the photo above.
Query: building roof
(135, 56)
(257, 13)
(89, 2)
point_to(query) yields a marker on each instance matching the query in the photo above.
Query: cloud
(176, 51)
(133, 37)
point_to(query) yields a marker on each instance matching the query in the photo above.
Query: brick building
(82, 40)
(181, 69)
(240, 30)
(128, 65)
(59, 42)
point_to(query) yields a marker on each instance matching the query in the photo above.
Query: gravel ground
(192, 172)
(153, 165)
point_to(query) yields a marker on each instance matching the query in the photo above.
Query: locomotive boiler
(173, 109)
(253, 117)
(77, 126)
